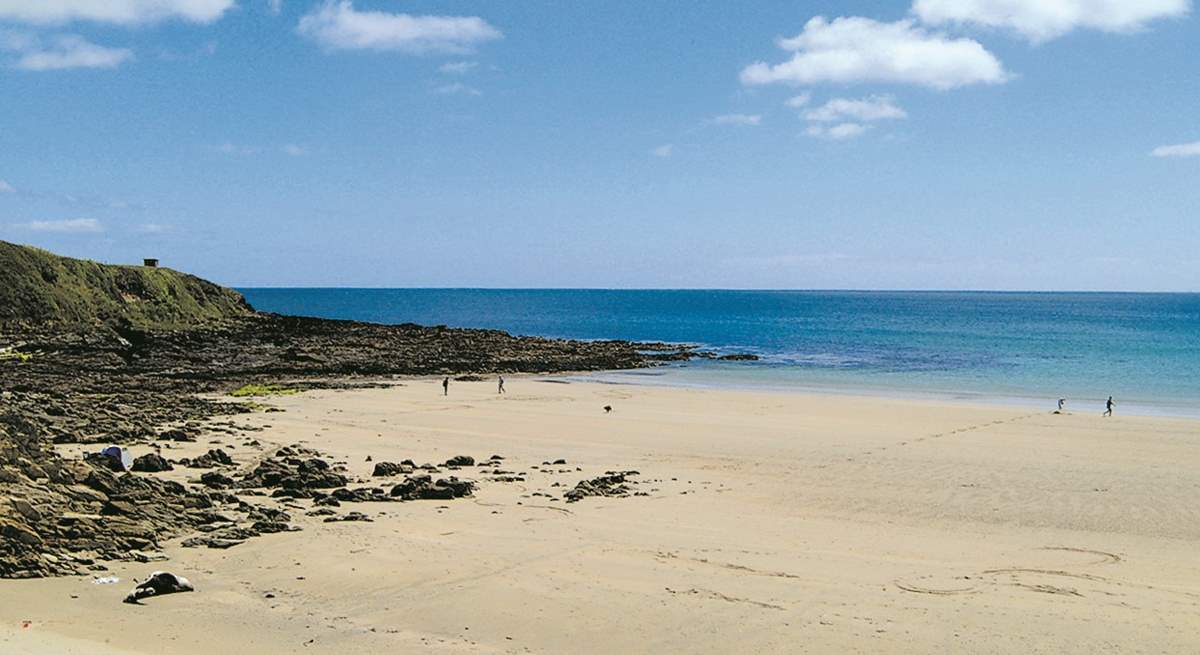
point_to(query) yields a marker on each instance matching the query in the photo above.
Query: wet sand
(773, 523)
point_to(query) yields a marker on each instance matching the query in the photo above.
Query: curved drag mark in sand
(1050, 589)
(564, 510)
(1050, 572)
(917, 589)
(662, 557)
(716, 595)
(1105, 557)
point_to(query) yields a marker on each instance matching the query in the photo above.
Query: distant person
(608, 409)
(1061, 403)
(446, 386)
(1108, 406)
(500, 385)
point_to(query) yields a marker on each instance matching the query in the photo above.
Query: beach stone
(461, 460)
(390, 469)
(151, 463)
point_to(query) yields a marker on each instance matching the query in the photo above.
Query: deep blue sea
(1032, 348)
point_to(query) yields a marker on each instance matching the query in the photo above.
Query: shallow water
(1144, 349)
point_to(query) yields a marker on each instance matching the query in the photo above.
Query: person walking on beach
(1061, 402)
(446, 387)
(500, 385)
(1108, 407)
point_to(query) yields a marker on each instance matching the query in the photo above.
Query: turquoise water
(1144, 349)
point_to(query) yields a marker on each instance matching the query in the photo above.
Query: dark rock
(390, 469)
(216, 480)
(610, 484)
(151, 463)
(350, 516)
(422, 487)
(461, 460)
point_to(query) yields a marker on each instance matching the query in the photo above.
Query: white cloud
(122, 12)
(275, 6)
(458, 67)
(838, 132)
(458, 88)
(5, 187)
(798, 101)
(155, 228)
(336, 24)
(1178, 150)
(855, 49)
(663, 150)
(295, 150)
(873, 108)
(69, 225)
(736, 119)
(1042, 20)
(61, 52)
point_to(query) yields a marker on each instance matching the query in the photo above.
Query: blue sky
(947, 144)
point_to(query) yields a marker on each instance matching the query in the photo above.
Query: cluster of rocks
(60, 517)
(213, 458)
(225, 532)
(122, 378)
(612, 483)
(294, 472)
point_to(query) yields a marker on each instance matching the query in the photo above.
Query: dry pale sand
(775, 523)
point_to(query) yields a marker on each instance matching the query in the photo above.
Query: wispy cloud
(295, 150)
(1042, 20)
(121, 12)
(873, 108)
(336, 24)
(60, 52)
(68, 225)
(798, 101)
(458, 67)
(839, 132)
(5, 187)
(664, 150)
(736, 119)
(458, 88)
(275, 6)
(155, 228)
(854, 49)
(1178, 150)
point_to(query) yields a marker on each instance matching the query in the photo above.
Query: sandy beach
(770, 522)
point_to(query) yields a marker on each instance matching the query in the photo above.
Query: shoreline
(664, 378)
(839, 522)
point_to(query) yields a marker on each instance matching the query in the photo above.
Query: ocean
(1011, 347)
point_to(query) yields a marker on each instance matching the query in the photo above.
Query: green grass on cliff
(262, 390)
(13, 355)
(38, 287)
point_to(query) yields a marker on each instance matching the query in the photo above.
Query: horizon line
(724, 289)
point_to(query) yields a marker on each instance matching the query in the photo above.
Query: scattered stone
(461, 460)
